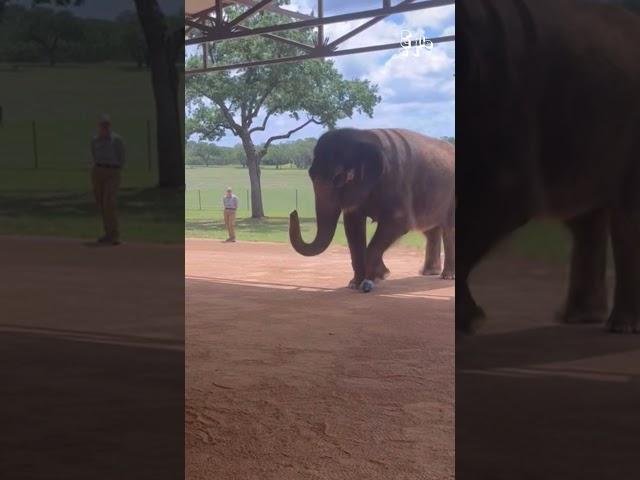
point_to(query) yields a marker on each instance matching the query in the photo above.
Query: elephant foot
(426, 270)
(381, 272)
(366, 286)
(574, 316)
(469, 318)
(354, 283)
(623, 322)
(448, 275)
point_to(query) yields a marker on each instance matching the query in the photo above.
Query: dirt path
(292, 376)
(536, 399)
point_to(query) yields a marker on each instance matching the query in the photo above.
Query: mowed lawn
(49, 117)
(283, 190)
(544, 240)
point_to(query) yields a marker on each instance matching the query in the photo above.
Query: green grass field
(44, 175)
(203, 214)
(55, 198)
(64, 103)
(203, 199)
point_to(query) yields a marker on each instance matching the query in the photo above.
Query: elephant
(550, 128)
(400, 179)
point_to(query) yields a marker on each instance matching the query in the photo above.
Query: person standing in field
(230, 202)
(108, 155)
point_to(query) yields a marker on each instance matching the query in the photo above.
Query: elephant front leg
(355, 226)
(385, 235)
(587, 296)
(449, 240)
(625, 236)
(480, 224)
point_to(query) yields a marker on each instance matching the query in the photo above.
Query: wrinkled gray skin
(401, 179)
(550, 91)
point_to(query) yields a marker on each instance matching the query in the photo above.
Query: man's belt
(104, 165)
(227, 208)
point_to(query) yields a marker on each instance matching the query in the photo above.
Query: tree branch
(263, 151)
(263, 126)
(232, 125)
(260, 102)
(235, 128)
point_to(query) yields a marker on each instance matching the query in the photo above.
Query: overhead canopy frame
(205, 23)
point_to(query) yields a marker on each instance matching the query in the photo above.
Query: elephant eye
(338, 180)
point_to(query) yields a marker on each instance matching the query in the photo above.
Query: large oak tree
(244, 101)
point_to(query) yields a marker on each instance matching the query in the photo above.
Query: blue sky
(417, 93)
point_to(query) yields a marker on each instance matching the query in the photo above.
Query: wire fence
(276, 201)
(65, 145)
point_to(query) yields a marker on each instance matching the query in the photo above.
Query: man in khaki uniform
(230, 202)
(107, 152)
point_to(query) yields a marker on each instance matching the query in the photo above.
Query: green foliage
(233, 100)
(49, 29)
(298, 154)
(33, 35)
(312, 91)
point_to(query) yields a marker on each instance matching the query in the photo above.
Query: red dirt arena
(290, 375)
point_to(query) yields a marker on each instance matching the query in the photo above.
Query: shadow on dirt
(541, 400)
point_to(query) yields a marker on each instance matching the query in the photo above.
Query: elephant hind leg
(587, 296)
(449, 240)
(625, 236)
(432, 260)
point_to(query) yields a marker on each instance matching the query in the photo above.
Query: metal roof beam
(247, 13)
(317, 54)
(362, 27)
(385, 11)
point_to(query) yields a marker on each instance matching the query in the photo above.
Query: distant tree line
(41, 34)
(297, 154)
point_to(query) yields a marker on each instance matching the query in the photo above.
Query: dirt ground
(92, 351)
(539, 400)
(292, 376)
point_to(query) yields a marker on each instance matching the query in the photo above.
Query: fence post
(199, 201)
(149, 144)
(296, 199)
(248, 206)
(35, 144)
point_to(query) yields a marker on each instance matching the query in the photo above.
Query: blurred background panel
(92, 334)
(547, 284)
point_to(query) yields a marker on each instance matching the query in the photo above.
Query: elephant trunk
(327, 214)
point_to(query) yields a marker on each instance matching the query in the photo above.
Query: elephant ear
(368, 166)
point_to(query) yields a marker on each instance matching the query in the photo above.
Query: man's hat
(105, 119)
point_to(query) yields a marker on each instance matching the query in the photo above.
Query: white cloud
(417, 92)
(426, 78)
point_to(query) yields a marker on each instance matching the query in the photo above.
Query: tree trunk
(169, 137)
(253, 164)
(165, 81)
